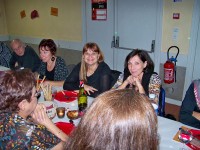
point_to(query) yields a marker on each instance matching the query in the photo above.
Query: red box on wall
(99, 9)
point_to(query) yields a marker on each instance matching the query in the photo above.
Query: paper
(54, 11)
(175, 34)
(23, 14)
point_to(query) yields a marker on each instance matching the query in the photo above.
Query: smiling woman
(52, 66)
(92, 70)
(138, 74)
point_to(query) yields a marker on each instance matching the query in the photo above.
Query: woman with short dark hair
(52, 66)
(24, 123)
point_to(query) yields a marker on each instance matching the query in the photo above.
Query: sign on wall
(99, 9)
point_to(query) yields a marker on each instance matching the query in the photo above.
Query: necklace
(50, 65)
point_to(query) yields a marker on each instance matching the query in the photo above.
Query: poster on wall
(99, 9)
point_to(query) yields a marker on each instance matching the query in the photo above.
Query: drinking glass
(60, 112)
(185, 137)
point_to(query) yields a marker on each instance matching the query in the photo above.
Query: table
(69, 106)
(166, 128)
(2, 68)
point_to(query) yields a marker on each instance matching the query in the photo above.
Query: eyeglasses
(37, 95)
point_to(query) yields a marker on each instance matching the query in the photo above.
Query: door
(136, 26)
(101, 31)
(127, 27)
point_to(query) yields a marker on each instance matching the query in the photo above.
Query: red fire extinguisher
(170, 67)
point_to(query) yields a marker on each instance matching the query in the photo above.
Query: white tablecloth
(69, 106)
(167, 129)
(2, 68)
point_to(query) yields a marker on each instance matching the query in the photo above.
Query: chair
(114, 76)
(5, 55)
(70, 67)
(161, 108)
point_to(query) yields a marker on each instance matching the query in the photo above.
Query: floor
(172, 109)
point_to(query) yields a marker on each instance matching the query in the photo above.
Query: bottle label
(82, 100)
(168, 74)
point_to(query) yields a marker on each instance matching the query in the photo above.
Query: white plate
(51, 108)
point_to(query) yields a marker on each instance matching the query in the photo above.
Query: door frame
(158, 36)
(193, 44)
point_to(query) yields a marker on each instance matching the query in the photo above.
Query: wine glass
(185, 137)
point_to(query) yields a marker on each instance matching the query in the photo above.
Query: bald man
(23, 56)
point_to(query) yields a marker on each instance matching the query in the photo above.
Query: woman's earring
(52, 58)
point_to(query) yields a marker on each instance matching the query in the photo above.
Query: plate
(51, 108)
(65, 127)
(68, 97)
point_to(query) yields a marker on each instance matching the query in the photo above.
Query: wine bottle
(82, 98)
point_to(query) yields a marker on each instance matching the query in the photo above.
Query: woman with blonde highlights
(118, 119)
(92, 70)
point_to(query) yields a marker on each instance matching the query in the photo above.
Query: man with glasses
(23, 56)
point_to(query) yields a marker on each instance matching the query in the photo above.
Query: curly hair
(50, 44)
(117, 119)
(15, 87)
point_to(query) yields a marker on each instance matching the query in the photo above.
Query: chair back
(70, 67)
(161, 108)
(114, 76)
(5, 55)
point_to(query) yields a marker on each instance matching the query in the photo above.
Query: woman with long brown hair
(117, 120)
(92, 70)
(139, 74)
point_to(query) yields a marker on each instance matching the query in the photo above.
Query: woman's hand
(138, 85)
(89, 89)
(45, 83)
(128, 81)
(196, 115)
(39, 115)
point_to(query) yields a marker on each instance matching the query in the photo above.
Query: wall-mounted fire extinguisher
(170, 67)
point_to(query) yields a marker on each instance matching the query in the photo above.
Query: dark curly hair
(15, 86)
(50, 44)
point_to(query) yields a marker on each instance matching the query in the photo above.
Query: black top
(100, 79)
(29, 60)
(189, 105)
(50, 74)
(60, 71)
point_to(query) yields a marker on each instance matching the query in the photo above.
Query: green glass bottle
(82, 98)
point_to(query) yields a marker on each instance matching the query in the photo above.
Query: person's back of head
(15, 86)
(118, 119)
